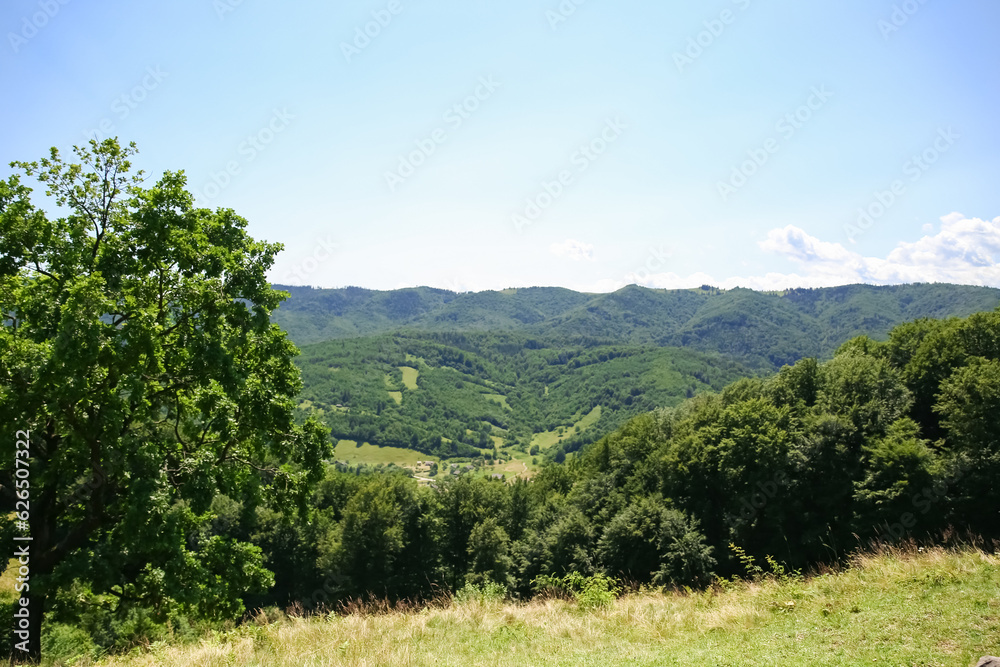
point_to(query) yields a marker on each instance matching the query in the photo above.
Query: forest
(495, 371)
(174, 470)
(469, 387)
(884, 442)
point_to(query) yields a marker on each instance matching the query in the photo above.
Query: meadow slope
(933, 608)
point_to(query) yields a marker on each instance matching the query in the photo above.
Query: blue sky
(475, 145)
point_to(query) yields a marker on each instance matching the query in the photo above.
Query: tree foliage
(137, 349)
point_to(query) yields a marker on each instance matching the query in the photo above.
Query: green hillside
(885, 445)
(313, 315)
(764, 329)
(461, 375)
(459, 394)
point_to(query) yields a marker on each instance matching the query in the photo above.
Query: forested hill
(764, 329)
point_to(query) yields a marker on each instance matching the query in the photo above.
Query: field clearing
(396, 396)
(937, 608)
(519, 466)
(589, 419)
(498, 398)
(547, 439)
(409, 377)
(348, 450)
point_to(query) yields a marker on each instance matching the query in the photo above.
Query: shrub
(591, 592)
(65, 644)
(485, 593)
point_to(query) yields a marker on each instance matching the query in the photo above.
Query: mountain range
(762, 329)
(538, 372)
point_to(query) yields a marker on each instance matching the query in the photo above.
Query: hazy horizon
(281, 285)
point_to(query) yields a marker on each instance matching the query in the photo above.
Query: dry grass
(937, 607)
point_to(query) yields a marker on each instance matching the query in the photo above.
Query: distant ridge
(761, 328)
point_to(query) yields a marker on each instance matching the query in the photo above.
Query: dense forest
(883, 442)
(490, 371)
(762, 329)
(473, 393)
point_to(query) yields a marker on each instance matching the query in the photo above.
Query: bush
(485, 593)
(779, 571)
(591, 592)
(65, 645)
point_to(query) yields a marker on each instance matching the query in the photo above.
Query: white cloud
(575, 250)
(965, 251)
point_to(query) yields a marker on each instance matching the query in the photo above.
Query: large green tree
(137, 349)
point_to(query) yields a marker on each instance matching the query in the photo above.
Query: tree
(387, 540)
(899, 466)
(968, 403)
(728, 468)
(489, 554)
(865, 389)
(465, 504)
(137, 349)
(368, 542)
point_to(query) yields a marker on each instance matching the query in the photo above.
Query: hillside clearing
(498, 398)
(349, 451)
(409, 377)
(547, 439)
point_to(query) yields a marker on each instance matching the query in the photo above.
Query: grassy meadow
(352, 453)
(547, 439)
(409, 377)
(927, 609)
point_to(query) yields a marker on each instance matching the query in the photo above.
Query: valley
(505, 381)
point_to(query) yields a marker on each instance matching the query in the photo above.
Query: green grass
(498, 398)
(409, 377)
(8, 580)
(521, 466)
(546, 439)
(348, 450)
(938, 608)
(396, 396)
(589, 419)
